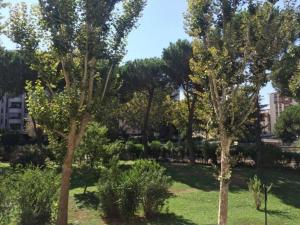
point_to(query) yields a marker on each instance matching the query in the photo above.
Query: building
(265, 121)
(12, 112)
(278, 104)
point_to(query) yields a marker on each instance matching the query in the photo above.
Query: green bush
(28, 155)
(30, 197)
(108, 189)
(134, 150)
(154, 185)
(7, 200)
(37, 196)
(121, 193)
(209, 151)
(155, 148)
(256, 188)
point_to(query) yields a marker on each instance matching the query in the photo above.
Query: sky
(162, 23)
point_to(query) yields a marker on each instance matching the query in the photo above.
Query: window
(16, 105)
(15, 126)
(15, 116)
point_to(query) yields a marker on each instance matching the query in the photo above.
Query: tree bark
(189, 133)
(258, 142)
(62, 217)
(224, 178)
(145, 134)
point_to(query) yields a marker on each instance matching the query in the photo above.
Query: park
(143, 112)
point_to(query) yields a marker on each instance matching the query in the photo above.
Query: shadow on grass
(163, 219)
(286, 182)
(204, 177)
(87, 200)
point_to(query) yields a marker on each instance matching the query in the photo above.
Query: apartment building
(278, 104)
(12, 112)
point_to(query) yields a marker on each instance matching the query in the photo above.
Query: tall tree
(75, 46)
(145, 76)
(177, 58)
(14, 73)
(224, 54)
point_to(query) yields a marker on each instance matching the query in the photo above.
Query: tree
(14, 73)
(224, 54)
(145, 76)
(75, 46)
(287, 126)
(177, 58)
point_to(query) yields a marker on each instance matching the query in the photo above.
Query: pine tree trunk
(189, 133)
(224, 179)
(62, 217)
(258, 142)
(146, 122)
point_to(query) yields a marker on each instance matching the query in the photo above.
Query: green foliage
(28, 155)
(108, 189)
(155, 148)
(154, 185)
(30, 197)
(7, 200)
(256, 188)
(121, 192)
(287, 126)
(135, 150)
(209, 151)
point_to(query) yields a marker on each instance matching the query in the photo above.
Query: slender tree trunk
(258, 142)
(145, 134)
(224, 178)
(189, 133)
(62, 218)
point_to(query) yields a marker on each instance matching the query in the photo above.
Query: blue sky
(162, 23)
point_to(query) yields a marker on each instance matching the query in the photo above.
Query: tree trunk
(258, 142)
(224, 178)
(146, 122)
(189, 133)
(62, 217)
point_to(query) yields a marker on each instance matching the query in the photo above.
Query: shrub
(134, 150)
(256, 188)
(154, 185)
(7, 200)
(37, 196)
(28, 155)
(155, 148)
(129, 194)
(271, 155)
(30, 197)
(121, 193)
(108, 186)
(209, 151)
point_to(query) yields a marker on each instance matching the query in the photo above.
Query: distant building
(265, 121)
(278, 104)
(12, 112)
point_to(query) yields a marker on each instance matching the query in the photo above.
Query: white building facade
(12, 112)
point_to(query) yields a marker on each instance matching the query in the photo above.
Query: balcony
(15, 110)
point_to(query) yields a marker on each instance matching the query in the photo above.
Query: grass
(195, 199)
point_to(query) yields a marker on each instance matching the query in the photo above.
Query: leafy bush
(256, 188)
(30, 197)
(118, 192)
(7, 200)
(271, 155)
(134, 150)
(28, 155)
(121, 193)
(37, 196)
(209, 151)
(155, 148)
(108, 186)
(154, 185)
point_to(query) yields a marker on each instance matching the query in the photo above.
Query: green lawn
(195, 199)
